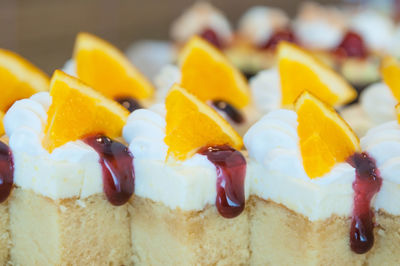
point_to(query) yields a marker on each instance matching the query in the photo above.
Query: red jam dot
(367, 183)
(212, 37)
(234, 114)
(231, 172)
(6, 172)
(278, 36)
(352, 45)
(117, 165)
(129, 103)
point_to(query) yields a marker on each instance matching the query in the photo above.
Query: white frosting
(266, 90)
(260, 22)
(319, 27)
(199, 17)
(164, 80)
(69, 67)
(149, 56)
(383, 144)
(395, 45)
(277, 172)
(72, 170)
(378, 103)
(376, 29)
(188, 184)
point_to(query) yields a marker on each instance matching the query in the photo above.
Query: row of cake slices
(183, 190)
(349, 39)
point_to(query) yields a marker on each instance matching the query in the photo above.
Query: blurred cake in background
(344, 39)
(260, 30)
(204, 20)
(318, 27)
(377, 101)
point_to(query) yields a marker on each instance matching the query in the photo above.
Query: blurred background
(44, 31)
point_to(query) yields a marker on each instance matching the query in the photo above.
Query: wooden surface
(44, 30)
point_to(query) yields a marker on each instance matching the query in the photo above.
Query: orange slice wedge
(192, 124)
(208, 74)
(300, 71)
(325, 138)
(390, 72)
(77, 111)
(103, 67)
(19, 79)
(2, 130)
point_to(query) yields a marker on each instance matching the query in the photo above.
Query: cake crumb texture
(162, 236)
(280, 236)
(4, 233)
(48, 232)
(387, 240)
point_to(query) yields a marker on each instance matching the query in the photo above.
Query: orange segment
(2, 131)
(192, 124)
(325, 138)
(106, 69)
(300, 71)
(18, 79)
(207, 74)
(390, 71)
(77, 111)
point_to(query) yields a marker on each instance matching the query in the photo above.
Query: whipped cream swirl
(378, 103)
(383, 144)
(278, 173)
(72, 170)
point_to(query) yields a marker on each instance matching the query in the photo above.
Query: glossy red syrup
(117, 165)
(231, 172)
(129, 103)
(277, 37)
(212, 37)
(352, 45)
(367, 183)
(6, 171)
(234, 114)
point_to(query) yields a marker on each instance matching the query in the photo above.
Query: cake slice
(190, 194)
(18, 79)
(260, 30)
(311, 189)
(67, 207)
(204, 20)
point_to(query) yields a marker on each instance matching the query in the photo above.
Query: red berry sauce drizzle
(231, 172)
(117, 165)
(129, 103)
(367, 183)
(6, 171)
(278, 36)
(234, 114)
(212, 37)
(352, 45)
